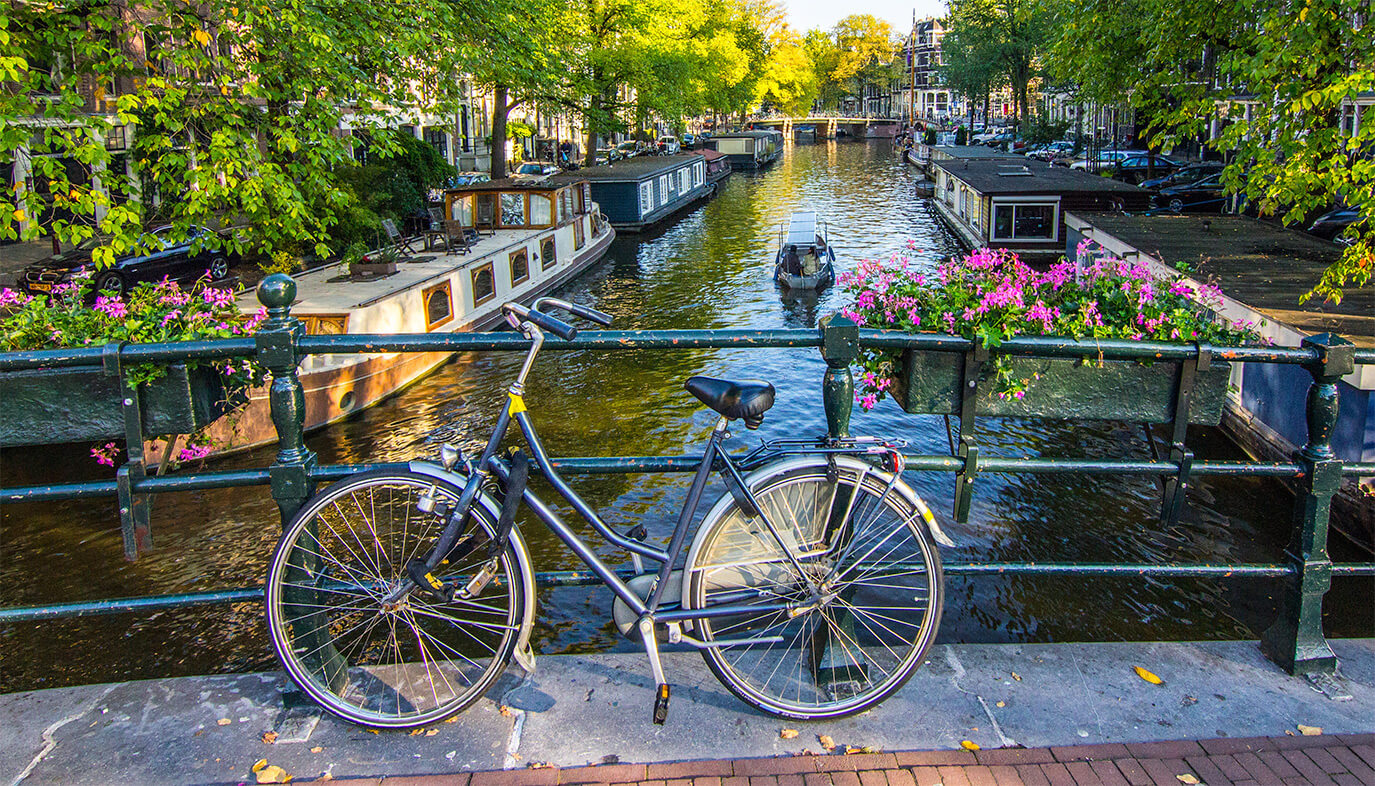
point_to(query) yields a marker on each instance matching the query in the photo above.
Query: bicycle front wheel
(388, 664)
(849, 591)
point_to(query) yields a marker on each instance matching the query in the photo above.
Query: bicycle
(812, 587)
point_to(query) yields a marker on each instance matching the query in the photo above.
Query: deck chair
(435, 234)
(458, 237)
(396, 241)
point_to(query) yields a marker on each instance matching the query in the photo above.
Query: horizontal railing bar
(573, 578)
(1107, 349)
(168, 352)
(590, 339)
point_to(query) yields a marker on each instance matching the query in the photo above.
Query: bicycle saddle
(749, 399)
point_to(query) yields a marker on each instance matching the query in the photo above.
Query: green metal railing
(1295, 641)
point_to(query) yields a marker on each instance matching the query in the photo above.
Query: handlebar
(586, 312)
(553, 324)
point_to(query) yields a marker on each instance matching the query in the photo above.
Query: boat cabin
(1020, 205)
(802, 244)
(641, 191)
(748, 149)
(511, 204)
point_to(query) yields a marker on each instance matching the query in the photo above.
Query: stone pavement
(1338, 760)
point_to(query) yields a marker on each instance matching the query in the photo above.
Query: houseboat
(925, 156)
(805, 258)
(1262, 270)
(639, 192)
(749, 149)
(1020, 205)
(718, 166)
(532, 237)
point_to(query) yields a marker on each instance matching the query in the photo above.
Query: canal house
(1262, 270)
(748, 149)
(1020, 205)
(641, 191)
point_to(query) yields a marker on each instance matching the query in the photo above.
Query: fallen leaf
(1147, 676)
(273, 774)
(417, 732)
(1016, 676)
(431, 732)
(1288, 732)
(1001, 704)
(372, 731)
(1309, 731)
(269, 737)
(256, 767)
(451, 719)
(223, 722)
(1186, 778)
(505, 711)
(329, 776)
(858, 749)
(316, 749)
(197, 734)
(969, 745)
(826, 741)
(788, 734)
(538, 765)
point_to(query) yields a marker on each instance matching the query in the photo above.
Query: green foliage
(280, 261)
(1040, 131)
(962, 136)
(1295, 65)
(990, 296)
(991, 43)
(395, 187)
(856, 54)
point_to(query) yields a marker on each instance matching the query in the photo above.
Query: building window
(646, 198)
(547, 253)
(439, 140)
(520, 266)
(484, 284)
(1025, 221)
(438, 305)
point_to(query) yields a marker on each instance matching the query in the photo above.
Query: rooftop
(635, 168)
(998, 176)
(1260, 264)
(974, 151)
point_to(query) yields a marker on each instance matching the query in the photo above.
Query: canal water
(708, 269)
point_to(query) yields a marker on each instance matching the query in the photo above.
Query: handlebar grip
(587, 312)
(554, 325)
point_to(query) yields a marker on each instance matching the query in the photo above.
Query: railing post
(276, 342)
(839, 348)
(1295, 641)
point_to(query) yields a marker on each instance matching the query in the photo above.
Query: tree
(1282, 79)
(969, 65)
(788, 81)
(234, 108)
(1009, 33)
(865, 46)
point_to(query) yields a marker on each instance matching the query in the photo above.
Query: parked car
(1134, 169)
(1206, 195)
(1330, 225)
(1104, 159)
(469, 179)
(1052, 151)
(534, 170)
(668, 145)
(629, 148)
(689, 140)
(607, 155)
(1191, 173)
(184, 261)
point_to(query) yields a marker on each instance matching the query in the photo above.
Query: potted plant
(990, 296)
(370, 264)
(55, 405)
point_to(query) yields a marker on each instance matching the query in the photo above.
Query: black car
(1184, 175)
(1330, 225)
(183, 261)
(1134, 169)
(1206, 195)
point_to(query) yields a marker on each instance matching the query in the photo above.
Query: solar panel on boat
(802, 228)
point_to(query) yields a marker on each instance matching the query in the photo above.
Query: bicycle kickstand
(661, 689)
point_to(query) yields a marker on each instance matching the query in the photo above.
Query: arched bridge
(831, 126)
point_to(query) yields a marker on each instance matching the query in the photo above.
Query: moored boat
(532, 237)
(805, 258)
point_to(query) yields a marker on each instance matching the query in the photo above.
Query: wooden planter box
(929, 383)
(54, 405)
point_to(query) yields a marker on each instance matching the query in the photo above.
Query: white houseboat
(532, 238)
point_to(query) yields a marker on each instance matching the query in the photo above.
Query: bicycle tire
(873, 640)
(417, 662)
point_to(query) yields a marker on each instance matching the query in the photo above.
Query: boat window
(512, 210)
(484, 284)
(520, 266)
(698, 173)
(585, 198)
(462, 210)
(325, 324)
(486, 210)
(1034, 221)
(548, 254)
(735, 146)
(438, 305)
(646, 198)
(663, 189)
(684, 180)
(579, 239)
(565, 205)
(541, 210)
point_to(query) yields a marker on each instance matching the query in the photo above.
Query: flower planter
(930, 383)
(54, 405)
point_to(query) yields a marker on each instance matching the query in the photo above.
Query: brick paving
(1340, 760)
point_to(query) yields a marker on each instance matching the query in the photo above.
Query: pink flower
(105, 454)
(112, 307)
(193, 452)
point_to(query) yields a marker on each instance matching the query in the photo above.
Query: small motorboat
(805, 257)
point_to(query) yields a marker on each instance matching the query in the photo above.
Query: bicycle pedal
(661, 705)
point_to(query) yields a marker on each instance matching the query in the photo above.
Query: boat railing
(1295, 640)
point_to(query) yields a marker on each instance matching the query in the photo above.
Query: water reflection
(711, 269)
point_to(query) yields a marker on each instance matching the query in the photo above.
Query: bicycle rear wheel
(857, 571)
(396, 665)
